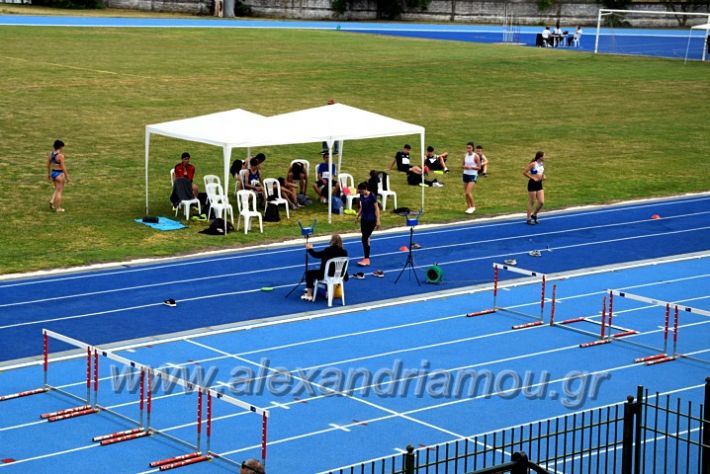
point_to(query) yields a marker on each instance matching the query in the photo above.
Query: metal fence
(649, 433)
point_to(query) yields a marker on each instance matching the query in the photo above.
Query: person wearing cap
(184, 170)
(369, 215)
(251, 466)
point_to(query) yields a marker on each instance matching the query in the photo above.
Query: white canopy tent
(706, 29)
(242, 129)
(224, 129)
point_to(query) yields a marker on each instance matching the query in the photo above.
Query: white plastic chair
(273, 188)
(240, 180)
(385, 193)
(347, 181)
(306, 167)
(246, 205)
(338, 266)
(185, 203)
(219, 204)
(211, 178)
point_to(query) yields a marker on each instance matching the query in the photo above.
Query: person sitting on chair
(254, 181)
(335, 249)
(321, 184)
(185, 170)
(297, 173)
(288, 192)
(547, 37)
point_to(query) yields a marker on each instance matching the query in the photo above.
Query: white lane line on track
(290, 267)
(323, 431)
(356, 242)
(218, 295)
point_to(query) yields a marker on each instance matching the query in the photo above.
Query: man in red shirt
(185, 170)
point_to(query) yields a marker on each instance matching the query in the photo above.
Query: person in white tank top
(535, 172)
(471, 165)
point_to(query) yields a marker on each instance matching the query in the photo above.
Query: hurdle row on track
(606, 327)
(90, 405)
(389, 416)
(245, 326)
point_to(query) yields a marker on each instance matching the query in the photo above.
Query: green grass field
(614, 128)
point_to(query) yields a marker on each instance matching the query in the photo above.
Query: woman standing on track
(369, 215)
(535, 172)
(57, 174)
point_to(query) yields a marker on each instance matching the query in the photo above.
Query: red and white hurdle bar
(606, 334)
(171, 463)
(670, 308)
(497, 267)
(146, 400)
(92, 374)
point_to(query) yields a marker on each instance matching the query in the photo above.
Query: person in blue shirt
(321, 184)
(369, 215)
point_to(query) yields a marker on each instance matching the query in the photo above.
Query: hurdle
(670, 308)
(149, 377)
(538, 319)
(196, 455)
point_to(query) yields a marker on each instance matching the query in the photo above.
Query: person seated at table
(323, 176)
(402, 161)
(297, 172)
(184, 170)
(335, 249)
(557, 35)
(433, 162)
(547, 36)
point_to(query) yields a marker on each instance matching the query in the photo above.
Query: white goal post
(605, 12)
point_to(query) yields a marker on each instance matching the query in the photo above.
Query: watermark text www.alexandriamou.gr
(572, 389)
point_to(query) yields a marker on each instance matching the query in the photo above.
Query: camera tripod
(410, 259)
(305, 232)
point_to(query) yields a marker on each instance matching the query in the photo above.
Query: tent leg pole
(147, 155)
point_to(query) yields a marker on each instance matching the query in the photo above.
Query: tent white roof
(329, 123)
(239, 128)
(220, 129)
(706, 27)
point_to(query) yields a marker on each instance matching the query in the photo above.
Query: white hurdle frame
(521, 271)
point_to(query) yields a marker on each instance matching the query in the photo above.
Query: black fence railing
(651, 433)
